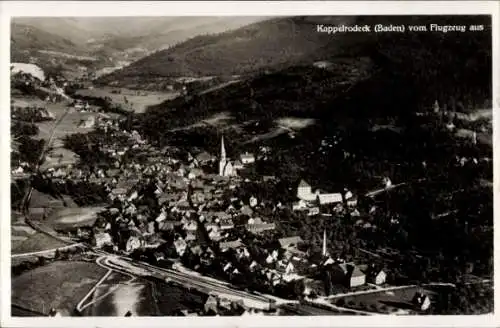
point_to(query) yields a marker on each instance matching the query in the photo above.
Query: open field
(66, 55)
(118, 294)
(25, 101)
(37, 242)
(102, 300)
(20, 231)
(69, 125)
(295, 123)
(70, 218)
(40, 199)
(133, 100)
(219, 121)
(58, 285)
(247, 131)
(171, 298)
(116, 298)
(392, 301)
(15, 261)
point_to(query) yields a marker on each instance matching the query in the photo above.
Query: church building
(226, 168)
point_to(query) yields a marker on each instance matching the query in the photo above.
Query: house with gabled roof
(348, 274)
(190, 236)
(254, 266)
(238, 165)
(421, 301)
(180, 246)
(247, 158)
(375, 275)
(332, 198)
(226, 224)
(260, 227)
(304, 191)
(211, 304)
(230, 244)
(196, 250)
(191, 226)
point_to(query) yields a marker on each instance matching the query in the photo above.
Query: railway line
(200, 283)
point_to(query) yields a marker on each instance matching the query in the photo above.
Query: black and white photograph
(250, 165)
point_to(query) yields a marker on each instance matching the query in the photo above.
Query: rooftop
(285, 242)
(303, 184)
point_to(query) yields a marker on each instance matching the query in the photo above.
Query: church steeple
(222, 150)
(324, 243)
(225, 166)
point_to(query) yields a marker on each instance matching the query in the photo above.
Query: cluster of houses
(215, 305)
(179, 211)
(184, 212)
(80, 106)
(189, 197)
(448, 118)
(312, 202)
(21, 169)
(30, 113)
(219, 306)
(193, 201)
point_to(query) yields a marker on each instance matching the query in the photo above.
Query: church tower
(224, 166)
(324, 243)
(222, 150)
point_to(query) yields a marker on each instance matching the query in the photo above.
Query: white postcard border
(227, 8)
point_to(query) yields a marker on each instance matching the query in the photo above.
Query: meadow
(392, 301)
(58, 285)
(72, 218)
(143, 297)
(37, 242)
(132, 100)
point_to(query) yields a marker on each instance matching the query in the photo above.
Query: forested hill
(398, 74)
(26, 38)
(279, 43)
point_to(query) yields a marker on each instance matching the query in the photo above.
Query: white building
(247, 158)
(102, 239)
(380, 277)
(350, 274)
(180, 246)
(299, 206)
(133, 243)
(253, 201)
(313, 211)
(387, 182)
(421, 301)
(304, 191)
(333, 198)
